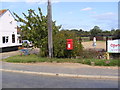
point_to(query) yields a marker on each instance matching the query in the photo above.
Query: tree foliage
(95, 31)
(34, 27)
(116, 34)
(60, 44)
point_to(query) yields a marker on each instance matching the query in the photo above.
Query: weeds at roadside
(34, 59)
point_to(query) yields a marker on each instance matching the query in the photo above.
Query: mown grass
(35, 59)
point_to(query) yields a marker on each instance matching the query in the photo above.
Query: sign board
(113, 46)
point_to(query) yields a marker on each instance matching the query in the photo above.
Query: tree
(113, 31)
(106, 33)
(34, 28)
(80, 30)
(95, 31)
(116, 34)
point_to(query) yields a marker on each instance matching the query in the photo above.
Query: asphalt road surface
(19, 80)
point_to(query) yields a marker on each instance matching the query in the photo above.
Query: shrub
(59, 43)
(88, 54)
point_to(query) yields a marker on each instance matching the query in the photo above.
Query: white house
(8, 30)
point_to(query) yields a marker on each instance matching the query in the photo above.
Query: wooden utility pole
(50, 42)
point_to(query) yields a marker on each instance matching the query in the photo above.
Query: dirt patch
(99, 45)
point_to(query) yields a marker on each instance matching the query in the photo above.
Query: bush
(88, 54)
(59, 43)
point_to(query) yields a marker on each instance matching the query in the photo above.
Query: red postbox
(69, 45)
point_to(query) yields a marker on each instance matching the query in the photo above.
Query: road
(19, 80)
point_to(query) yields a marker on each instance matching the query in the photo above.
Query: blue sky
(74, 15)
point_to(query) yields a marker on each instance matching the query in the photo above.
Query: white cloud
(55, 1)
(36, 1)
(108, 19)
(31, 1)
(106, 16)
(86, 9)
(60, 0)
(11, 0)
(41, 1)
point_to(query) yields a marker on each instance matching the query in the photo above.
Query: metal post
(50, 42)
(106, 43)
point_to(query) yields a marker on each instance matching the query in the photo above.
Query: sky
(72, 14)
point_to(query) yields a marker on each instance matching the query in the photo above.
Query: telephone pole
(50, 42)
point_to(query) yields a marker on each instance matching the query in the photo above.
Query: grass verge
(35, 59)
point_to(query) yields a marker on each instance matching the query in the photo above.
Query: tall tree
(116, 34)
(34, 28)
(95, 31)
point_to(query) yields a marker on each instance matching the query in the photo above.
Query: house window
(5, 39)
(13, 38)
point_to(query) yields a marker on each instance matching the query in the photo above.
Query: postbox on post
(69, 45)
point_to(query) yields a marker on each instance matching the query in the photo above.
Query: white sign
(113, 46)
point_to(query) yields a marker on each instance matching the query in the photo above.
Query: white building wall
(0, 38)
(8, 26)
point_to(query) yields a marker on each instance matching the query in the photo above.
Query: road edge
(62, 74)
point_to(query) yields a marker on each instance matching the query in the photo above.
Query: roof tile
(2, 11)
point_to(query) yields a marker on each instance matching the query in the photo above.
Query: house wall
(8, 26)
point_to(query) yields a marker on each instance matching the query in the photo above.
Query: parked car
(27, 43)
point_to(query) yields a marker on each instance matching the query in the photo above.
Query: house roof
(2, 11)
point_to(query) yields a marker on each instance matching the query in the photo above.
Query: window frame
(13, 38)
(5, 39)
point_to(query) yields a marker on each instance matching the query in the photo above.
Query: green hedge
(59, 45)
